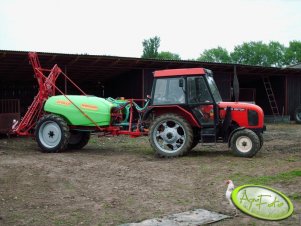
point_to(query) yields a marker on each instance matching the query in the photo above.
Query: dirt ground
(118, 180)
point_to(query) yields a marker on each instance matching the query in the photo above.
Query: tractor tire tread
(256, 143)
(189, 136)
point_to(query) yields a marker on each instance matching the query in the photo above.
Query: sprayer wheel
(52, 133)
(78, 139)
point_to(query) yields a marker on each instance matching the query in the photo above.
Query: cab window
(168, 91)
(198, 91)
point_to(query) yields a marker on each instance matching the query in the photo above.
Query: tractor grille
(252, 118)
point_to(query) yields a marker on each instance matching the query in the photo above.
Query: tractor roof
(180, 72)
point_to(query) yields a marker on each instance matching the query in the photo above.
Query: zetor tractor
(188, 109)
(185, 108)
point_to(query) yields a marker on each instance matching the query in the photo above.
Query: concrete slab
(189, 218)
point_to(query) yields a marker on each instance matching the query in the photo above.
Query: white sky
(118, 27)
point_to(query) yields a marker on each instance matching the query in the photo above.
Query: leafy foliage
(168, 56)
(256, 53)
(253, 53)
(150, 50)
(293, 53)
(218, 55)
(259, 53)
(150, 47)
(273, 54)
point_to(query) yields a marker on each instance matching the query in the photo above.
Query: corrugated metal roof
(14, 65)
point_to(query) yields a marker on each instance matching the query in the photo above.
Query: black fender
(232, 132)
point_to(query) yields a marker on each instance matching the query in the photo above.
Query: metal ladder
(271, 96)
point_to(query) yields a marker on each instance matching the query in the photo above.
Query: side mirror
(181, 83)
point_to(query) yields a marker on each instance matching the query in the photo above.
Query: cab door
(200, 101)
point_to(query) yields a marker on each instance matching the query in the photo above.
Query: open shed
(115, 76)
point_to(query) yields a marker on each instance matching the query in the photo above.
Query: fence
(9, 110)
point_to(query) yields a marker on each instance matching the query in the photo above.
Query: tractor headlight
(252, 118)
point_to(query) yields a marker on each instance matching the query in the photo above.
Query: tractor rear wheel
(78, 139)
(245, 143)
(195, 142)
(170, 135)
(52, 133)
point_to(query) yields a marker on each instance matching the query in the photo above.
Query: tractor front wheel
(260, 136)
(170, 135)
(78, 139)
(245, 143)
(52, 133)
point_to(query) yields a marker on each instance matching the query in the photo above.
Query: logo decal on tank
(89, 107)
(63, 102)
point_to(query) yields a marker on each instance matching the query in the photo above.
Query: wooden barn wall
(24, 91)
(89, 87)
(128, 85)
(256, 82)
(223, 82)
(261, 98)
(138, 83)
(278, 85)
(293, 94)
(148, 79)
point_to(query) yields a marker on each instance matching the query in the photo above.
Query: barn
(276, 90)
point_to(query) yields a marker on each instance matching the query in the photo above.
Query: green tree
(293, 53)
(218, 55)
(253, 53)
(150, 47)
(275, 54)
(168, 56)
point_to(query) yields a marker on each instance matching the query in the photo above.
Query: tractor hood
(244, 114)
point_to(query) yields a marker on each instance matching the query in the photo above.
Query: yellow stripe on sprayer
(63, 102)
(89, 107)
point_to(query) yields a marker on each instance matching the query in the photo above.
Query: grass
(293, 159)
(295, 196)
(264, 180)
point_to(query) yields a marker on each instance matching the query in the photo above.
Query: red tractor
(186, 109)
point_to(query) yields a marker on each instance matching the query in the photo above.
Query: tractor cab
(193, 89)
